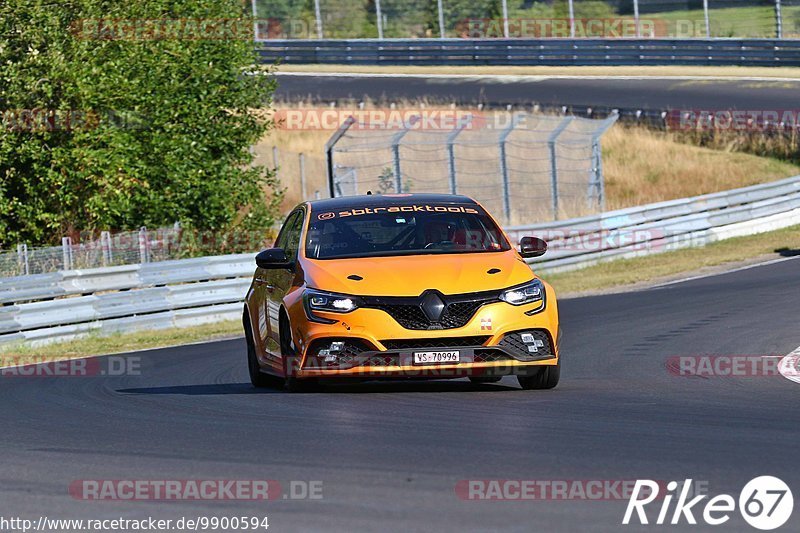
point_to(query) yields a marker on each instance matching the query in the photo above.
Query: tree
(146, 112)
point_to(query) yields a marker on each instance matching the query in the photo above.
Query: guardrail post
(778, 20)
(451, 158)
(706, 19)
(551, 143)
(22, 259)
(66, 252)
(105, 245)
(144, 255)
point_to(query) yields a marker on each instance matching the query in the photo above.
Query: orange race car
(399, 286)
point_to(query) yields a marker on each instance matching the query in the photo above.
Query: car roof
(370, 200)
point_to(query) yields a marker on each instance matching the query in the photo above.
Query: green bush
(163, 126)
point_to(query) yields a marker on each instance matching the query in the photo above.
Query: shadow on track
(219, 389)
(788, 252)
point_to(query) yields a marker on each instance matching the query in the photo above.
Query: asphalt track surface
(390, 454)
(623, 93)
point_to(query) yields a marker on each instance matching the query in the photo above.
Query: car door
(279, 281)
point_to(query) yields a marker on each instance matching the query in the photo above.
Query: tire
(485, 380)
(258, 378)
(292, 384)
(546, 377)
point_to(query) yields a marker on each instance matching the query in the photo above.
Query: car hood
(412, 275)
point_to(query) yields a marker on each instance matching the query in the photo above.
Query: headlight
(325, 301)
(529, 293)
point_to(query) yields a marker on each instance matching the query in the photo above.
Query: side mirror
(273, 258)
(532, 247)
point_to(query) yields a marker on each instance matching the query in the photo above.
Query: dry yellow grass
(640, 165)
(643, 166)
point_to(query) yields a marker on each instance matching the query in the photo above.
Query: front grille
(458, 309)
(513, 343)
(439, 342)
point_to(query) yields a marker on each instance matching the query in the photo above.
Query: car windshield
(402, 230)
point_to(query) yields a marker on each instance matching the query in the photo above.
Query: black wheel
(291, 362)
(257, 377)
(477, 379)
(545, 377)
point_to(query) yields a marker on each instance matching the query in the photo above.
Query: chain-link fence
(355, 19)
(524, 167)
(124, 248)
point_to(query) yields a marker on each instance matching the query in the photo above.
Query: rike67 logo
(765, 503)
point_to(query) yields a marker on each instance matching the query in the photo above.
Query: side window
(289, 238)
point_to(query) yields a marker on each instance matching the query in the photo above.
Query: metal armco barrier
(65, 305)
(665, 226)
(755, 52)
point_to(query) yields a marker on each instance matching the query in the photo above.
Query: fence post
(597, 184)
(275, 160)
(451, 157)
(778, 20)
(706, 19)
(105, 245)
(571, 19)
(22, 259)
(441, 19)
(302, 158)
(551, 143)
(66, 252)
(255, 19)
(398, 176)
(636, 18)
(318, 16)
(144, 255)
(505, 18)
(501, 144)
(329, 146)
(379, 17)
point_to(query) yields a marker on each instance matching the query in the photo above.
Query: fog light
(337, 347)
(527, 338)
(535, 346)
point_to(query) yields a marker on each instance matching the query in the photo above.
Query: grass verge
(118, 343)
(603, 277)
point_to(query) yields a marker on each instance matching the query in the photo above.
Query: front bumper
(376, 345)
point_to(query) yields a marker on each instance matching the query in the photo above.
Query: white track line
(527, 77)
(712, 274)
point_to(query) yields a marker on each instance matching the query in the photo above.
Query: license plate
(433, 358)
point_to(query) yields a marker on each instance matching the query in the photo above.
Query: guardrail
(665, 226)
(65, 305)
(745, 52)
